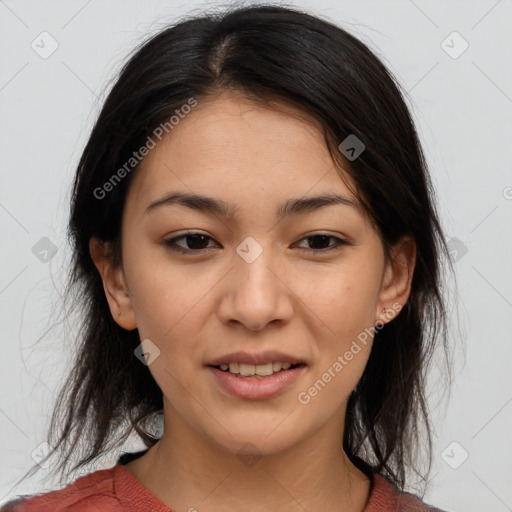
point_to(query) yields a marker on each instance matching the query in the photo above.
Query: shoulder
(384, 497)
(88, 493)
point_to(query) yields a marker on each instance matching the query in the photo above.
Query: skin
(198, 306)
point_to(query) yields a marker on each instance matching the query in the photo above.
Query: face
(257, 273)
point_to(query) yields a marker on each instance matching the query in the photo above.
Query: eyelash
(170, 243)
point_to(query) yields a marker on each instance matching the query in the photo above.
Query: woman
(258, 256)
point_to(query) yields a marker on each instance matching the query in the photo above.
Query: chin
(255, 437)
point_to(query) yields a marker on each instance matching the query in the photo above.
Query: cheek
(343, 344)
(170, 306)
(165, 296)
(330, 386)
(342, 301)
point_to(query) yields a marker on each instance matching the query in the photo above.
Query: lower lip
(252, 388)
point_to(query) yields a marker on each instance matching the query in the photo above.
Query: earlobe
(114, 284)
(397, 280)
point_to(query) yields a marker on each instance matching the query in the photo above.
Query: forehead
(237, 148)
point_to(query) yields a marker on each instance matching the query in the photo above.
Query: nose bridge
(256, 295)
(253, 267)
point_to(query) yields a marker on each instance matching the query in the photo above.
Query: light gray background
(463, 110)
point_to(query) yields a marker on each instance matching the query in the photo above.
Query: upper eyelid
(307, 235)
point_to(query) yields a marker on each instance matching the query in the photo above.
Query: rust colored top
(116, 490)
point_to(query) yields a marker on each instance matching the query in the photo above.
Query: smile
(254, 386)
(260, 370)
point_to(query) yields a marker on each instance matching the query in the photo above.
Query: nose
(256, 293)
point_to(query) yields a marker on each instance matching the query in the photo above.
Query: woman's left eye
(197, 242)
(323, 241)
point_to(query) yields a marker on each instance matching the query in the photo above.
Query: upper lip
(241, 357)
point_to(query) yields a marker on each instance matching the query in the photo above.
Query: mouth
(253, 378)
(256, 376)
(259, 371)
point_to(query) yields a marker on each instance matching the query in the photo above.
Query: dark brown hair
(267, 53)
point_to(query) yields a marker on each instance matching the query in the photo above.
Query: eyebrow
(293, 206)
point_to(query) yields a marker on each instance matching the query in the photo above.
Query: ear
(397, 280)
(114, 284)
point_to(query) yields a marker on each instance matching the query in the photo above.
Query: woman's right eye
(194, 242)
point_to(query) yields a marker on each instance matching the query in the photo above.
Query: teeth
(247, 370)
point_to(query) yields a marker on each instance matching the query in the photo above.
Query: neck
(187, 471)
